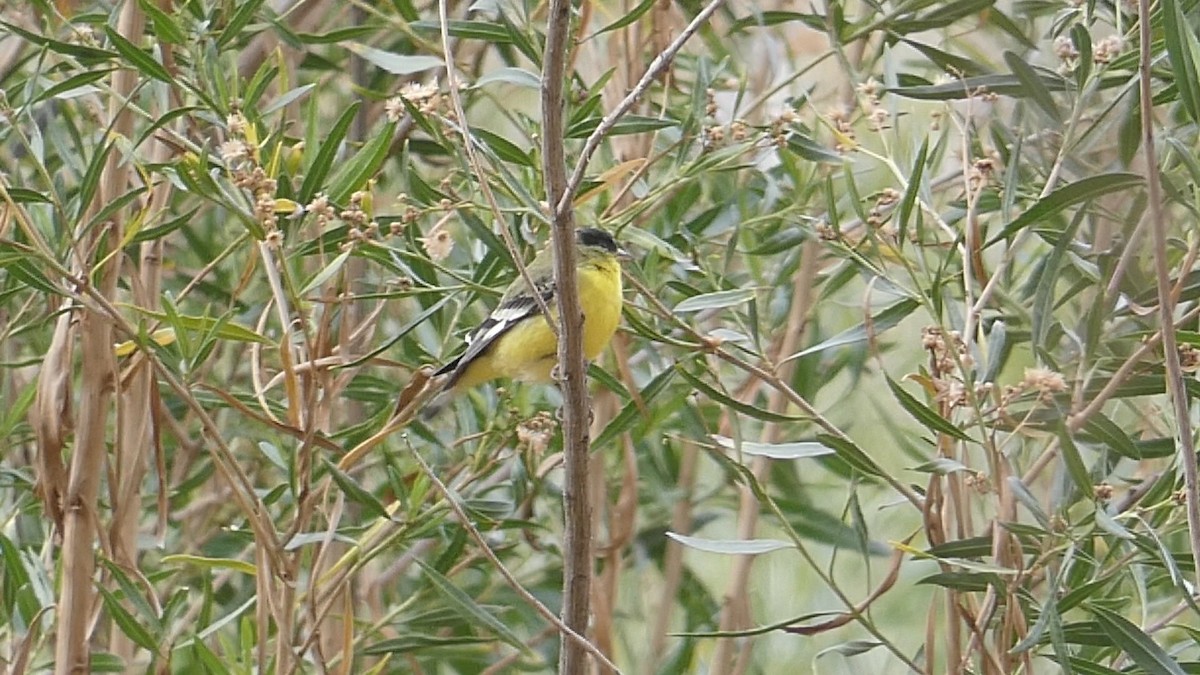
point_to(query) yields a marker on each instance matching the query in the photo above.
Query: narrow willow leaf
(241, 17)
(850, 453)
(287, 98)
(397, 64)
(201, 324)
(1035, 86)
(1006, 85)
(951, 63)
(1110, 434)
(731, 546)
(355, 172)
(127, 622)
(165, 27)
(910, 195)
(1069, 195)
(516, 76)
(487, 31)
(630, 413)
(330, 145)
(1111, 525)
(1140, 647)
(715, 300)
(1184, 51)
(941, 466)
(140, 59)
(629, 124)
(757, 19)
(630, 17)
(924, 414)
(715, 394)
(885, 319)
(1030, 502)
(1079, 473)
(356, 493)
(469, 609)
(503, 148)
(211, 563)
(799, 450)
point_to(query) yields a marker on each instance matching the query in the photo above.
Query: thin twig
(477, 537)
(657, 66)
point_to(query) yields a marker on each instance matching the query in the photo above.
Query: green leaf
(226, 330)
(629, 124)
(630, 413)
(910, 195)
(757, 19)
(1079, 473)
(358, 170)
(807, 148)
(951, 63)
(1107, 432)
(731, 546)
(1035, 86)
(1007, 85)
(488, 31)
(469, 609)
(241, 18)
(711, 392)
(211, 563)
(798, 450)
(1183, 49)
(518, 76)
(397, 64)
(138, 58)
(1140, 647)
(330, 144)
(850, 453)
(715, 300)
(630, 17)
(355, 492)
(503, 148)
(885, 319)
(924, 414)
(165, 27)
(127, 622)
(1069, 195)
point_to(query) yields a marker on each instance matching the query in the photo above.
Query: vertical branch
(1166, 303)
(81, 505)
(577, 537)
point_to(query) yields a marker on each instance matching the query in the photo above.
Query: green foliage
(889, 390)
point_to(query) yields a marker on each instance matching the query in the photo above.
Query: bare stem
(1166, 303)
(577, 517)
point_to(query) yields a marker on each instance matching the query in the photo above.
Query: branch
(1176, 388)
(657, 66)
(577, 517)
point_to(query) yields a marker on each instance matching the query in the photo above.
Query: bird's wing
(512, 310)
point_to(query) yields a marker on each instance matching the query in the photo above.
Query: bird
(517, 342)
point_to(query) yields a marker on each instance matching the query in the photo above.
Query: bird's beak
(623, 255)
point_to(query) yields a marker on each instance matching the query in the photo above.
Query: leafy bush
(891, 392)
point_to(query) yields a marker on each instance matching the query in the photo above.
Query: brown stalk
(572, 375)
(1176, 388)
(81, 507)
(137, 431)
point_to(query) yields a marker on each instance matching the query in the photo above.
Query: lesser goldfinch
(516, 342)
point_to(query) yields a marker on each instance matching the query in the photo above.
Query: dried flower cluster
(536, 432)
(1104, 51)
(884, 200)
(877, 116)
(426, 98)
